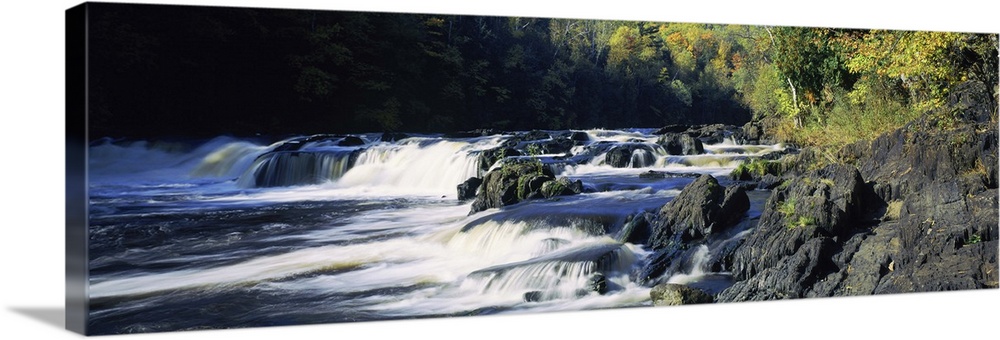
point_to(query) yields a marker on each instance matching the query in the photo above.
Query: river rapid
(231, 233)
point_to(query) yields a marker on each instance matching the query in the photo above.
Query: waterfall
(227, 161)
(288, 168)
(562, 274)
(429, 166)
(641, 158)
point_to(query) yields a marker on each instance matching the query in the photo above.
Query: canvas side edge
(76, 170)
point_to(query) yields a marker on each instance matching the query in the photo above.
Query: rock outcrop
(669, 294)
(517, 181)
(681, 144)
(702, 209)
(918, 213)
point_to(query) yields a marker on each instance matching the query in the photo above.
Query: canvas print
(250, 167)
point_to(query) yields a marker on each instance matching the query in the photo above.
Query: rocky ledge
(517, 181)
(914, 210)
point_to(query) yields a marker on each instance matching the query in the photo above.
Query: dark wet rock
(681, 144)
(516, 181)
(393, 136)
(534, 135)
(467, 189)
(793, 276)
(674, 128)
(749, 134)
(667, 258)
(489, 157)
(703, 207)
(561, 187)
(826, 204)
(973, 101)
(669, 294)
(597, 283)
(710, 134)
(636, 230)
(926, 219)
(507, 185)
(533, 296)
(758, 132)
(633, 155)
(473, 133)
(292, 145)
(351, 141)
(769, 181)
(579, 137)
(554, 145)
(297, 144)
(653, 174)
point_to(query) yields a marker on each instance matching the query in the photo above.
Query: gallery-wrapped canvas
(237, 167)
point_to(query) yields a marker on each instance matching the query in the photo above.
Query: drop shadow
(53, 316)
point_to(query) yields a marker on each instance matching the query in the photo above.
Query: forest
(180, 71)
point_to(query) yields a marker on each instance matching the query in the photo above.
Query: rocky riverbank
(914, 210)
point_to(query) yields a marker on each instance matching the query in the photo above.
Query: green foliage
(534, 151)
(787, 208)
(354, 71)
(802, 221)
(756, 168)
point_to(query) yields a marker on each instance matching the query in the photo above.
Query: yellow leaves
(434, 22)
(923, 61)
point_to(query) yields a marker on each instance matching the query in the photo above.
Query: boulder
(710, 134)
(633, 155)
(673, 128)
(561, 187)
(681, 144)
(827, 203)
(489, 157)
(669, 294)
(579, 137)
(515, 182)
(703, 207)
(534, 135)
(926, 219)
(636, 229)
(351, 141)
(393, 136)
(554, 145)
(467, 190)
(793, 276)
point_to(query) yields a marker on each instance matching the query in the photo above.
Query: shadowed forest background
(194, 72)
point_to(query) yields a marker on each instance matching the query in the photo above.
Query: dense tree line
(159, 71)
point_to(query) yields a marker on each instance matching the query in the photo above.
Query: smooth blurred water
(180, 238)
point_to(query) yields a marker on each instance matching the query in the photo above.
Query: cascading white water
(228, 161)
(699, 267)
(641, 158)
(221, 157)
(416, 166)
(513, 240)
(289, 168)
(562, 274)
(354, 232)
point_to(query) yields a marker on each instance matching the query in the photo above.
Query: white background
(32, 179)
